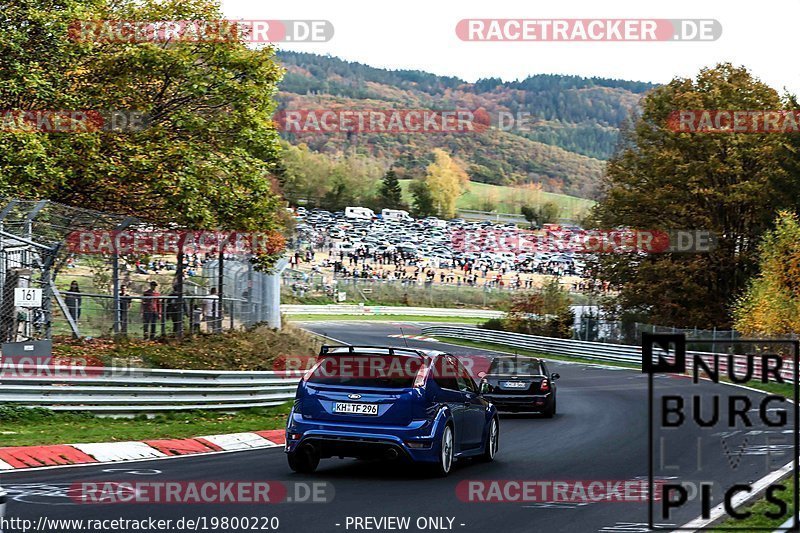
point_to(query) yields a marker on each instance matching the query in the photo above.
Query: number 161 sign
(27, 297)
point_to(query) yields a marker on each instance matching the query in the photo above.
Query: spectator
(151, 310)
(211, 312)
(175, 310)
(124, 307)
(197, 318)
(73, 301)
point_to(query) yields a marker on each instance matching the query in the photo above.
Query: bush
(496, 324)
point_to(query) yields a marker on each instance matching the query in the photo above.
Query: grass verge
(251, 349)
(758, 520)
(23, 426)
(387, 318)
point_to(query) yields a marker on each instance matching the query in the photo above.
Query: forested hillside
(572, 126)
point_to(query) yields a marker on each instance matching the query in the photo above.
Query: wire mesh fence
(311, 288)
(591, 328)
(85, 288)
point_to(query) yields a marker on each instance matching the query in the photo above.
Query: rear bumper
(520, 402)
(418, 442)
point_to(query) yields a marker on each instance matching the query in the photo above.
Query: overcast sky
(420, 34)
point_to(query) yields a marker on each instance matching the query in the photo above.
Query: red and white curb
(415, 337)
(19, 457)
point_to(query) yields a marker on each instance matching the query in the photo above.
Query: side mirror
(554, 376)
(481, 374)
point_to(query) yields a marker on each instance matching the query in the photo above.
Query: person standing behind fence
(151, 310)
(174, 310)
(124, 307)
(211, 311)
(73, 301)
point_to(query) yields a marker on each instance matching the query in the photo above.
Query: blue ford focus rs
(394, 403)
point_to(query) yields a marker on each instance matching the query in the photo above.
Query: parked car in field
(420, 406)
(520, 384)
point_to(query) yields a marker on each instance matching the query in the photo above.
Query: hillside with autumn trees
(571, 127)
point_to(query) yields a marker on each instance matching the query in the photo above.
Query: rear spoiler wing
(370, 350)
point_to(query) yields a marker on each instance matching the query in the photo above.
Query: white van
(359, 213)
(395, 215)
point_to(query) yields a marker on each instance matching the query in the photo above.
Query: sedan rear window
(515, 366)
(364, 370)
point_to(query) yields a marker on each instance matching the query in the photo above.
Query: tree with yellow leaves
(446, 180)
(771, 305)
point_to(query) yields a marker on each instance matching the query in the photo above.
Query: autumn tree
(545, 312)
(209, 148)
(731, 185)
(446, 181)
(771, 304)
(545, 213)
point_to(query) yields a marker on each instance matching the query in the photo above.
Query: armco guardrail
(545, 345)
(374, 310)
(140, 390)
(594, 351)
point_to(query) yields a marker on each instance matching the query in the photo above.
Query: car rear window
(365, 370)
(515, 366)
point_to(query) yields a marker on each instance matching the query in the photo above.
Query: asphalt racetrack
(599, 433)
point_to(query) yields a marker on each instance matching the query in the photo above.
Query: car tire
(304, 460)
(550, 412)
(492, 441)
(446, 453)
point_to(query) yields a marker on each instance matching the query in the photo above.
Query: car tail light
(422, 373)
(545, 386)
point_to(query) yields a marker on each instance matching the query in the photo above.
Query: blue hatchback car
(392, 403)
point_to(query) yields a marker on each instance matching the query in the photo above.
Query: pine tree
(390, 194)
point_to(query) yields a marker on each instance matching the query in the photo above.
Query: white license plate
(356, 408)
(515, 385)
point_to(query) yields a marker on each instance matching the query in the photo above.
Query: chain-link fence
(302, 287)
(591, 328)
(81, 281)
